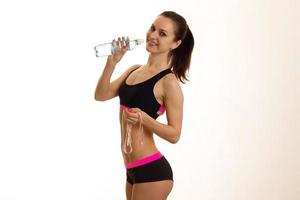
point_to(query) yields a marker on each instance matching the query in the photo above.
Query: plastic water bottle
(109, 48)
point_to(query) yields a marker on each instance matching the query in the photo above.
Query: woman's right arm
(105, 89)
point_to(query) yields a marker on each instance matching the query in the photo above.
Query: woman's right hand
(117, 56)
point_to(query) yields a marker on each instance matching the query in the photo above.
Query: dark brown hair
(180, 58)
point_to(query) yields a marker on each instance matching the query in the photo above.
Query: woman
(145, 92)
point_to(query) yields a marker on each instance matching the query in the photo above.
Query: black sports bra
(141, 95)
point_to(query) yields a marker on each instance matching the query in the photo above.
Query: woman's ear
(177, 43)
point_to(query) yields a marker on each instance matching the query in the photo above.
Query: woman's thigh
(129, 188)
(158, 190)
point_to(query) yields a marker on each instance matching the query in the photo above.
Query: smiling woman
(146, 92)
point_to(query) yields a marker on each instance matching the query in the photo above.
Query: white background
(240, 137)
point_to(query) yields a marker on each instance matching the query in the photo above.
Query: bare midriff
(139, 150)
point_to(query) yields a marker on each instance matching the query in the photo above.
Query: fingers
(135, 110)
(132, 116)
(121, 43)
(131, 121)
(124, 44)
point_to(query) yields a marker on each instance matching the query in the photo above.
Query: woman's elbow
(175, 138)
(98, 97)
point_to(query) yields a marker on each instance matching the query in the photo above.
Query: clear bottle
(109, 48)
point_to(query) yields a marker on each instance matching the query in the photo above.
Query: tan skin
(167, 91)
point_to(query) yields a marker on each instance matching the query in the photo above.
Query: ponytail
(180, 58)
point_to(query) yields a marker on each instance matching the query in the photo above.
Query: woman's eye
(162, 34)
(152, 28)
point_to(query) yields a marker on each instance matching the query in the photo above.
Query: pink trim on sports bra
(161, 109)
(127, 139)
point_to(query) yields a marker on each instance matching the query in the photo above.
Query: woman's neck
(157, 62)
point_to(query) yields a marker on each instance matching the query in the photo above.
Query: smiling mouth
(152, 43)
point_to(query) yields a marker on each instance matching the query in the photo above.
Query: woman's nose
(153, 35)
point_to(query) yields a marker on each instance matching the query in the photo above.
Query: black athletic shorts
(157, 170)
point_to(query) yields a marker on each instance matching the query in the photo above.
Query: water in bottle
(109, 48)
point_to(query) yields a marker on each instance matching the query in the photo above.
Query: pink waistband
(144, 161)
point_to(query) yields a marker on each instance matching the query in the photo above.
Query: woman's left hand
(133, 115)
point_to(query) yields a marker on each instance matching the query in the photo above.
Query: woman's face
(160, 36)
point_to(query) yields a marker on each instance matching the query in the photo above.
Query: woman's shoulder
(171, 88)
(170, 82)
(130, 69)
(134, 67)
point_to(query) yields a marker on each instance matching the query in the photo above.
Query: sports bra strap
(161, 74)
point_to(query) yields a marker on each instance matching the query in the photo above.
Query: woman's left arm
(173, 101)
